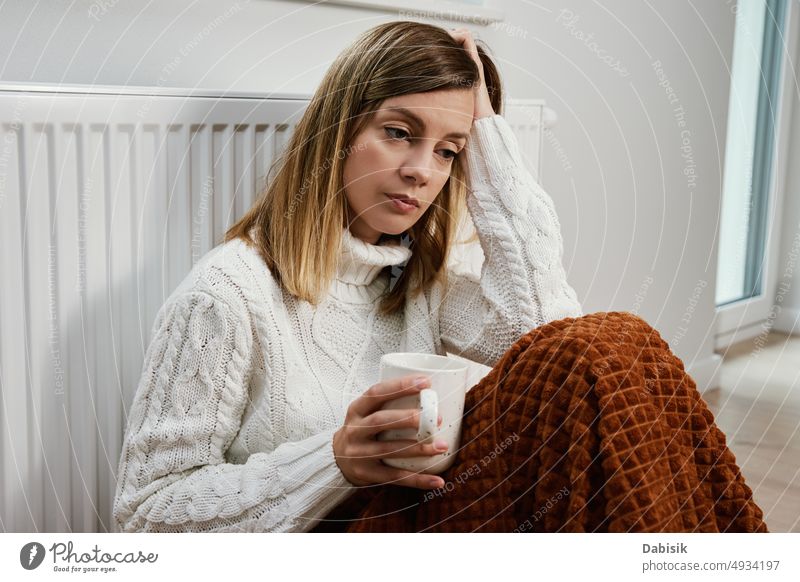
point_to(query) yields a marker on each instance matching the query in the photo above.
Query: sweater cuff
(492, 148)
(330, 485)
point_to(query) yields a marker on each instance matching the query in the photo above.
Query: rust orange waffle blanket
(586, 424)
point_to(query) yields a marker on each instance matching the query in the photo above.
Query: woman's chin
(395, 225)
(397, 230)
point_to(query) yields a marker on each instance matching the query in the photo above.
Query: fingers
(387, 419)
(464, 36)
(403, 449)
(382, 420)
(397, 449)
(460, 32)
(393, 476)
(376, 396)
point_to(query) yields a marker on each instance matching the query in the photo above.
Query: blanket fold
(585, 424)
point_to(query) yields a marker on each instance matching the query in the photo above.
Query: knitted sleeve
(523, 283)
(173, 476)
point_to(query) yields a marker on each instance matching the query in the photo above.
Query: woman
(260, 402)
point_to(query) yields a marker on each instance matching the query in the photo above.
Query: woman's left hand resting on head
(483, 104)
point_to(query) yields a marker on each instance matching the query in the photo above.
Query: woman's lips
(401, 204)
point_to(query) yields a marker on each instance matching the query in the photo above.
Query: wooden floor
(757, 406)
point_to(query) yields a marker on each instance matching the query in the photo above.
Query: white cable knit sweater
(243, 386)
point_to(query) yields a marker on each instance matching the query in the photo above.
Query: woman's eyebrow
(420, 123)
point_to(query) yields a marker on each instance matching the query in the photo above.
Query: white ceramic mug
(445, 397)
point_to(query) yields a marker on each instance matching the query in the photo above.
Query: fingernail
(439, 444)
(440, 419)
(420, 381)
(437, 482)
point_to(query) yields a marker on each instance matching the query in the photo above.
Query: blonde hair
(299, 218)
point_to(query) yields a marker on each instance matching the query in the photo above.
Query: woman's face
(398, 154)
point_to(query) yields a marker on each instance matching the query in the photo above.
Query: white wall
(639, 232)
(639, 227)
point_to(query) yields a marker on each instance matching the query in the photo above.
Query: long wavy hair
(299, 217)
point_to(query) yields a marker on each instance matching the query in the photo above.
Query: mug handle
(428, 415)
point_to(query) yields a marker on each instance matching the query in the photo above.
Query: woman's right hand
(359, 454)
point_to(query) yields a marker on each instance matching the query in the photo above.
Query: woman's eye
(448, 154)
(453, 155)
(391, 129)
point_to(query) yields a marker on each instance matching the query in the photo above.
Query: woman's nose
(418, 168)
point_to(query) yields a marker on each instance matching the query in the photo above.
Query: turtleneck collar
(360, 263)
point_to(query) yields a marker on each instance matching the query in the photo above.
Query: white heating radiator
(108, 195)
